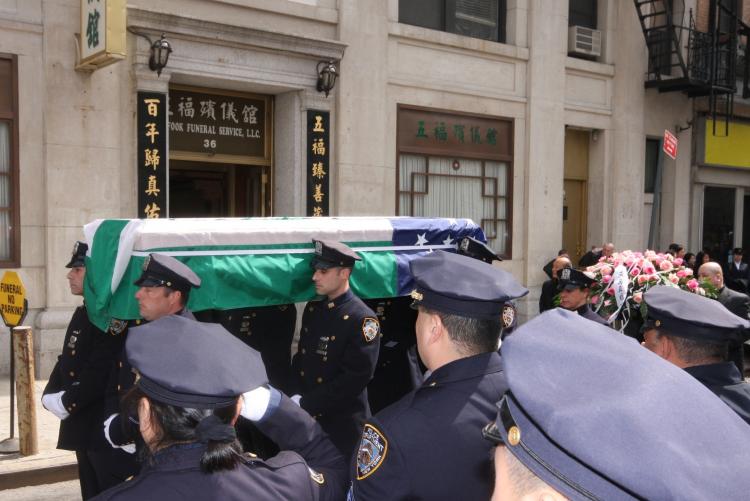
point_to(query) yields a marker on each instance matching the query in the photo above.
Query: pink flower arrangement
(643, 271)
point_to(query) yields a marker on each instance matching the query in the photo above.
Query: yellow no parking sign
(12, 299)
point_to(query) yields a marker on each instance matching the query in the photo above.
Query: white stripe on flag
(250, 252)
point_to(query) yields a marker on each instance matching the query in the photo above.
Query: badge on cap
(75, 248)
(372, 451)
(318, 247)
(417, 296)
(564, 274)
(370, 329)
(465, 244)
(146, 262)
(509, 315)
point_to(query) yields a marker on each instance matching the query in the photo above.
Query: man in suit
(738, 273)
(736, 302)
(592, 257)
(549, 287)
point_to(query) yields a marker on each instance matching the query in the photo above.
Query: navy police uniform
(398, 370)
(423, 446)
(81, 373)
(684, 314)
(614, 422)
(336, 355)
(569, 278)
(193, 365)
(159, 270)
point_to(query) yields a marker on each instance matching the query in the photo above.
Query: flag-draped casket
(256, 261)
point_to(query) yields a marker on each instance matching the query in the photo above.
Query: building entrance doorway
(575, 196)
(199, 189)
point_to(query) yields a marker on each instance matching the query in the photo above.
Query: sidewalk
(50, 464)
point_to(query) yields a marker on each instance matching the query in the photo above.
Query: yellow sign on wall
(102, 39)
(732, 150)
(12, 299)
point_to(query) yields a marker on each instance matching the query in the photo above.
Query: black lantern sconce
(159, 52)
(327, 74)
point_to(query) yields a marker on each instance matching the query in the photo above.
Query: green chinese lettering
(476, 135)
(92, 29)
(441, 134)
(458, 132)
(491, 136)
(420, 129)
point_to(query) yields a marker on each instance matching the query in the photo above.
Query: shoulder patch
(116, 327)
(372, 451)
(316, 477)
(370, 329)
(509, 315)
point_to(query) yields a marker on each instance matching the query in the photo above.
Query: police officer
(195, 381)
(694, 333)
(398, 370)
(337, 349)
(422, 447)
(591, 415)
(75, 391)
(479, 250)
(165, 285)
(574, 293)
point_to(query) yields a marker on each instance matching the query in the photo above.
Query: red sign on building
(670, 144)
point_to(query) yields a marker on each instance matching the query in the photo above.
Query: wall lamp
(327, 74)
(158, 53)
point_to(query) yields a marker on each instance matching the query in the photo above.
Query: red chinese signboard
(670, 144)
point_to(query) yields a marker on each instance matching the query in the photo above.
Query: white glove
(53, 403)
(296, 399)
(255, 403)
(129, 448)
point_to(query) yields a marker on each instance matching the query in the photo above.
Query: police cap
(570, 278)
(329, 254)
(78, 257)
(463, 286)
(472, 247)
(597, 416)
(192, 364)
(689, 315)
(160, 270)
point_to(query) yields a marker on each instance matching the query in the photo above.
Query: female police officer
(195, 380)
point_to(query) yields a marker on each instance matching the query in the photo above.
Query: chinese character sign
(217, 124)
(318, 155)
(102, 35)
(152, 155)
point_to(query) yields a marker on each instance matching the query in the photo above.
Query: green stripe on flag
(99, 269)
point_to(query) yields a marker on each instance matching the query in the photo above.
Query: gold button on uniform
(303, 351)
(72, 374)
(72, 352)
(333, 338)
(119, 364)
(72, 405)
(346, 317)
(301, 373)
(514, 435)
(433, 383)
(325, 359)
(118, 387)
(319, 380)
(310, 308)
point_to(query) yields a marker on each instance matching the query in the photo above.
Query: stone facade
(78, 129)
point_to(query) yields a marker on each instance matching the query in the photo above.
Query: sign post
(13, 308)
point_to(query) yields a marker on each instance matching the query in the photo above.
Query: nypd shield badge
(370, 329)
(509, 315)
(372, 451)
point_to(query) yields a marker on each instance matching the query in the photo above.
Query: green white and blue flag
(256, 261)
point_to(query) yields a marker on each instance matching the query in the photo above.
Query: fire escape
(699, 61)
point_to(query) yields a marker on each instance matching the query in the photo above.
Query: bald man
(592, 257)
(736, 302)
(549, 288)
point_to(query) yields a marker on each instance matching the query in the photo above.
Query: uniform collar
(177, 457)
(343, 298)
(583, 309)
(465, 368)
(720, 374)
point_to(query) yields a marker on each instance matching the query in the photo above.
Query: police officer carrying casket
(195, 380)
(422, 447)
(337, 349)
(165, 285)
(75, 391)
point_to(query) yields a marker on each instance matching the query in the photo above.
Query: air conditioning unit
(584, 41)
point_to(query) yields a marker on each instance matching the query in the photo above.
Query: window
(652, 160)
(9, 207)
(458, 188)
(483, 19)
(582, 13)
